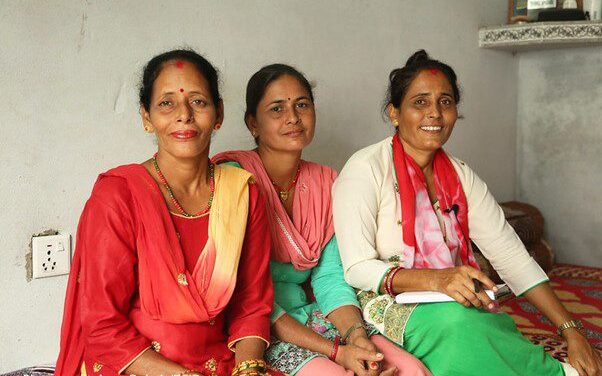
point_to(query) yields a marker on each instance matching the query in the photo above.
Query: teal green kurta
(330, 291)
(327, 282)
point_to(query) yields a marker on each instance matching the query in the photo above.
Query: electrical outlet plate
(51, 255)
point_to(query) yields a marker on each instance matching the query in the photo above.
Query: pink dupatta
(299, 241)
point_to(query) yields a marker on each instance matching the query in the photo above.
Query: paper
(437, 297)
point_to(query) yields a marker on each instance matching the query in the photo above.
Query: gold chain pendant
(283, 196)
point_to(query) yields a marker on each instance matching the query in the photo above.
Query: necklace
(173, 198)
(283, 193)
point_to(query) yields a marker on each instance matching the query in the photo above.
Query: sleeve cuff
(277, 312)
(342, 306)
(122, 369)
(255, 328)
(276, 315)
(534, 286)
(524, 277)
(232, 344)
(380, 281)
(367, 274)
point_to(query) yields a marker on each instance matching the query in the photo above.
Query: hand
(457, 282)
(354, 358)
(585, 359)
(361, 340)
(389, 372)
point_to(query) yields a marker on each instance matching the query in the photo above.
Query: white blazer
(368, 228)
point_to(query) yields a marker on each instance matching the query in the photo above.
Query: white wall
(68, 75)
(560, 148)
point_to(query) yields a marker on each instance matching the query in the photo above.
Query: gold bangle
(254, 364)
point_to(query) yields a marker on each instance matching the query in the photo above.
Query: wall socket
(51, 255)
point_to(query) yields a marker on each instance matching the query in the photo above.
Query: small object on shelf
(561, 15)
(592, 9)
(569, 4)
(517, 11)
(534, 7)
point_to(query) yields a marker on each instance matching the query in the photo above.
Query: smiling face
(285, 118)
(427, 113)
(182, 113)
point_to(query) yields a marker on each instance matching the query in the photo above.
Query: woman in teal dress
(324, 333)
(405, 213)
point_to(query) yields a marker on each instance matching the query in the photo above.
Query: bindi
(181, 90)
(180, 64)
(434, 71)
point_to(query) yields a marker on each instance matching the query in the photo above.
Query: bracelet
(257, 365)
(386, 283)
(335, 348)
(569, 324)
(389, 280)
(355, 326)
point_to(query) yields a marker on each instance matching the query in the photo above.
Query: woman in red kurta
(170, 273)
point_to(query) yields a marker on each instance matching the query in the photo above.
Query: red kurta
(116, 330)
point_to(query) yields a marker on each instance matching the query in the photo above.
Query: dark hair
(401, 78)
(259, 82)
(154, 67)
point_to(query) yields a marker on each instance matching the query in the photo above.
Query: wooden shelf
(541, 35)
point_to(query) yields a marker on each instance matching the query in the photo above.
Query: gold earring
(146, 129)
(396, 123)
(217, 126)
(254, 134)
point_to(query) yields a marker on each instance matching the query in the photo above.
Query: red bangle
(335, 348)
(390, 278)
(387, 277)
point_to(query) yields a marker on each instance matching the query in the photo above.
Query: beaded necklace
(283, 193)
(173, 198)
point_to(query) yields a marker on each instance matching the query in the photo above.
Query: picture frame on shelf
(517, 11)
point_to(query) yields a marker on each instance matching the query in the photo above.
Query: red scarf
(433, 253)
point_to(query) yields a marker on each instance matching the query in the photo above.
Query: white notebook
(437, 297)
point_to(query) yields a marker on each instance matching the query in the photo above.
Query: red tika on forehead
(180, 64)
(433, 71)
(181, 90)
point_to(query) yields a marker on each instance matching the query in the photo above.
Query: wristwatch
(569, 324)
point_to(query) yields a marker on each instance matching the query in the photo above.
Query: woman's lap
(451, 339)
(322, 366)
(295, 360)
(406, 364)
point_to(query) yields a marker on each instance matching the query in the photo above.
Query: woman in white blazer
(405, 213)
